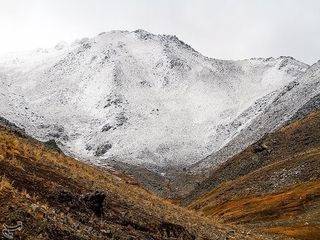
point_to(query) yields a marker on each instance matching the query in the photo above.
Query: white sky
(227, 29)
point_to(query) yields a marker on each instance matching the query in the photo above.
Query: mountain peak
(152, 91)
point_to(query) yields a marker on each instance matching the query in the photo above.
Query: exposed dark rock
(174, 38)
(13, 127)
(121, 119)
(91, 201)
(145, 83)
(86, 45)
(65, 197)
(170, 230)
(94, 202)
(115, 101)
(54, 131)
(101, 150)
(283, 64)
(106, 128)
(143, 35)
(88, 147)
(259, 147)
(52, 145)
(179, 64)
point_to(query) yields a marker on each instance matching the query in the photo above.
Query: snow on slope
(136, 97)
(297, 98)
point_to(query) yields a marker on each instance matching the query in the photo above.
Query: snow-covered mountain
(295, 101)
(138, 97)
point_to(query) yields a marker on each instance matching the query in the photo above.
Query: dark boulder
(52, 145)
(13, 128)
(170, 230)
(89, 202)
(94, 202)
(101, 150)
(106, 128)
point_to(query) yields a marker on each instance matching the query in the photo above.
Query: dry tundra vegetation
(271, 190)
(57, 197)
(273, 185)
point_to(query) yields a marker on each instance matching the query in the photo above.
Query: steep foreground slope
(273, 185)
(137, 97)
(57, 197)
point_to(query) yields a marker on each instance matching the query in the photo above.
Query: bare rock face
(13, 127)
(52, 144)
(95, 202)
(101, 150)
(170, 230)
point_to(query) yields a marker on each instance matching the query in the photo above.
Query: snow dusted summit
(137, 97)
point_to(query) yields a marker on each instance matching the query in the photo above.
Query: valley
(135, 135)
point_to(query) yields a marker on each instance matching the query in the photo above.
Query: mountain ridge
(282, 108)
(122, 82)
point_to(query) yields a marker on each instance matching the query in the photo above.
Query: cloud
(227, 29)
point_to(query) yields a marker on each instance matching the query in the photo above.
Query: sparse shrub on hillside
(4, 184)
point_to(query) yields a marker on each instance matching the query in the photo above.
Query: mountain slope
(137, 97)
(299, 96)
(57, 197)
(273, 185)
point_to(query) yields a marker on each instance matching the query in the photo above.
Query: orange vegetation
(57, 197)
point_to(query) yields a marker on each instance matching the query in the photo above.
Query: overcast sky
(226, 29)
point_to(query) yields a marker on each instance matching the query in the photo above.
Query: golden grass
(306, 232)
(4, 184)
(14, 149)
(282, 205)
(291, 206)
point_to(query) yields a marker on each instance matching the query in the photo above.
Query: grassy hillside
(57, 197)
(273, 185)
